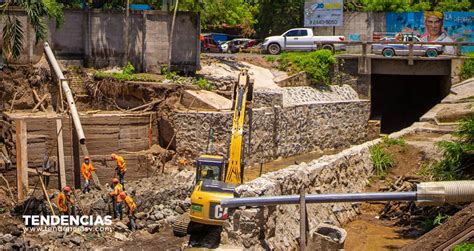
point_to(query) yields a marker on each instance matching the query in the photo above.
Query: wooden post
(302, 220)
(45, 193)
(76, 158)
(261, 169)
(61, 162)
(21, 159)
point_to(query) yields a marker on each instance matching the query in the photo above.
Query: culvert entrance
(399, 100)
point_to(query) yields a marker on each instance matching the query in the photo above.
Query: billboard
(434, 26)
(323, 13)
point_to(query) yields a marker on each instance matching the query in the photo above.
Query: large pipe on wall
(67, 92)
(428, 193)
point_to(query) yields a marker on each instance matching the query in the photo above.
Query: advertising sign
(434, 26)
(323, 13)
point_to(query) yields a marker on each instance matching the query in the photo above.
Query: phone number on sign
(331, 22)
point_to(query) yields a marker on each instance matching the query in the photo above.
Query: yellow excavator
(217, 177)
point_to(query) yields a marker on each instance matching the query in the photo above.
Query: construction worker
(64, 201)
(116, 200)
(120, 169)
(132, 207)
(86, 169)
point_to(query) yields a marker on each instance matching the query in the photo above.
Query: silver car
(390, 50)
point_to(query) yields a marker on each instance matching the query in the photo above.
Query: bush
(464, 247)
(128, 69)
(457, 155)
(316, 64)
(467, 69)
(382, 160)
(204, 84)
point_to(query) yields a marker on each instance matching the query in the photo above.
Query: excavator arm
(242, 93)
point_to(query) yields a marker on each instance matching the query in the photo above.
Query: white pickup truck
(301, 39)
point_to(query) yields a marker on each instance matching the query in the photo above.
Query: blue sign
(435, 26)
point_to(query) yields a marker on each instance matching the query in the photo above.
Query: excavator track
(180, 226)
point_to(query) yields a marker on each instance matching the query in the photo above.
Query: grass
(270, 58)
(316, 64)
(467, 69)
(382, 160)
(393, 141)
(127, 74)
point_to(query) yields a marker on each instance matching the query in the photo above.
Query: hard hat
(67, 189)
(113, 156)
(182, 162)
(86, 157)
(115, 180)
(122, 195)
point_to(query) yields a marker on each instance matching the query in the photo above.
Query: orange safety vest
(117, 190)
(62, 202)
(86, 170)
(121, 164)
(131, 204)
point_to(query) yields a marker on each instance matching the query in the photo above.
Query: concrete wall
(277, 227)
(98, 38)
(276, 131)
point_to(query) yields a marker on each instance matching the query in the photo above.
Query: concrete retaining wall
(98, 38)
(276, 131)
(277, 227)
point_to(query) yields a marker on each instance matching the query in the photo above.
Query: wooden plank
(22, 159)
(60, 150)
(76, 160)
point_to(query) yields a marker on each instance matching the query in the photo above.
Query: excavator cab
(210, 167)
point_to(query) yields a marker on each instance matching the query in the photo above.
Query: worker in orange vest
(86, 169)
(116, 200)
(132, 207)
(120, 169)
(64, 201)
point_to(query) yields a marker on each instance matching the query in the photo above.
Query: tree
(36, 11)
(215, 13)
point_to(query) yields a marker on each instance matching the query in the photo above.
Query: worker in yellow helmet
(116, 201)
(132, 207)
(64, 201)
(120, 169)
(86, 170)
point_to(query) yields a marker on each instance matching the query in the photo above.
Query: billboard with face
(434, 26)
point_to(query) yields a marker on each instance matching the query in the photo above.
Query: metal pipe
(428, 193)
(319, 198)
(67, 92)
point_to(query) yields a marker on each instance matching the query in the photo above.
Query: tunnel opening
(399, 100)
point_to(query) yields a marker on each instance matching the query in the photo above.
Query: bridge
(401, 88)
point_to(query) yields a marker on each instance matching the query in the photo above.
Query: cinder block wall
(98, 38)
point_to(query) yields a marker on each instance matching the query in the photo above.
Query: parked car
(301, 39)
(390, 50)
(224, 46)
(209, 45)
(240, 43)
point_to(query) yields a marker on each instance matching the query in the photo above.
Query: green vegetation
(467, 69)
(382, 160)
(429, 224)
(204, 84)
(270, 58)
(13, 31)
(408, 5)
(316, 64)
(393, 141)
(457, 155)
(464, 247)
(127, 74)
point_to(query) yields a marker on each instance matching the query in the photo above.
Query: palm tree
(36, 11)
